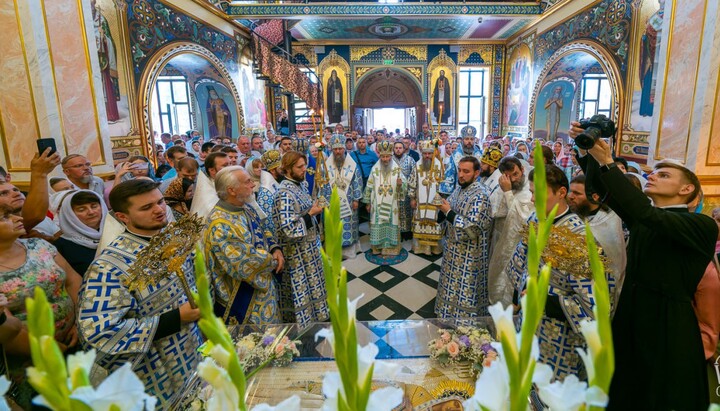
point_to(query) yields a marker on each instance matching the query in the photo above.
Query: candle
(440, 119)
(312, 118)
(430, 122)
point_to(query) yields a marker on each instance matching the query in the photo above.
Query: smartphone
(44, 143)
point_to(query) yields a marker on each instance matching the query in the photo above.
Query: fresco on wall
(646, 58)
(519, 85)
(252, 91)
(110, 57)
(215, 105)
(442, 95)
(333, 72)
(554, 109)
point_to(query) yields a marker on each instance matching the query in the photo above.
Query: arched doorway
(388, 88)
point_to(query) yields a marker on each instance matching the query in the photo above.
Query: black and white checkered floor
(398, 292)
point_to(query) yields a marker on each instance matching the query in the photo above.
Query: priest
(153, 328)
(423, 192)
(343, 174)
(462, 289)
(407, 165)
(385, 188)
(468, 148)
(241, 255)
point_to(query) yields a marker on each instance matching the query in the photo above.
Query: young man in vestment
(303, 296)
(570, 299)
(659, 359)
(153, 328)
(241, 254)
(385, 188)
(468, 148)
(462, 290)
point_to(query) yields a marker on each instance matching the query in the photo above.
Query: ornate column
(687, 125)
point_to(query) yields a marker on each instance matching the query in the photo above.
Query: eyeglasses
(88, 165)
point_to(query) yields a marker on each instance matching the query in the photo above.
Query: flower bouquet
(255, 349)
(463, 344)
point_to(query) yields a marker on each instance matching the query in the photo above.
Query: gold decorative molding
(333, 60)
(484, 50)
(442, 60)
(358, 52)
(416, 71)
(419, 52)
(360, 71)
(308, 52)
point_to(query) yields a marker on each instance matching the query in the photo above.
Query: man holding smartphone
(659, 359)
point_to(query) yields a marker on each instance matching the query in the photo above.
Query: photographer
(659, 360)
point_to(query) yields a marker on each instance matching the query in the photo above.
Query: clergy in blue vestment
(407, 165)
(344, 174)
(570, 296)
(302, 146)
(462, 289)
(303, 296)
(468, 148)
(241, 255)
(152, 328)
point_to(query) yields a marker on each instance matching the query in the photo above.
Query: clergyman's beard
(426, 164)
(485, 173)
(583, 210)
(467, 150)
(518, 185)
(339, 160)
(386, 167)
(299, 178)
(465, 184)
(398, 156)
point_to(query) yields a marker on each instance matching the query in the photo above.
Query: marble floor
(403, 291)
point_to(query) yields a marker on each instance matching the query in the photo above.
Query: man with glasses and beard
(343, 174)
(153, 328)
(462, 289)
(407, 165)
(422, 192)
(79, 171)
(468, 148)
(303, 297)
(514, 209)
(385, 188)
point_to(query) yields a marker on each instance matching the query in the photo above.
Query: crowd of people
(262, 196)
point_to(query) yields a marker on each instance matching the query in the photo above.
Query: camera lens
(587, 139)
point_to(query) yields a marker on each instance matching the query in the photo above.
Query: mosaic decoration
(334, 73)
(220, 4)
(498, 75)
(484, 52)
(445, 66)
(400, 54)
(360, 71)
(344, 10)
(608, 23)
(416, 71)
(154, 24)
(308, 52)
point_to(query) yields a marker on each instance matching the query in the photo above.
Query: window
(595, 96)
(173, 110)
(472, 108)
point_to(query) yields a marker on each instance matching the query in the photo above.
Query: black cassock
(659, 359)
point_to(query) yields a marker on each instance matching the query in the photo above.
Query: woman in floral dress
(24, 265)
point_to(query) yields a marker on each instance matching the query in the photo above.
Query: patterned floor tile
(399, 312)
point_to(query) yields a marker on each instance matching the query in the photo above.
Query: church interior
(106, 78)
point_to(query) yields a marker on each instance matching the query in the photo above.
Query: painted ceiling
(410, 21)
(391, 28)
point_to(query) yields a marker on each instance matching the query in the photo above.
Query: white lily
(383, 399)
(571, 395)
(503, 319)
(492, 389)
(4, 387)
(589, 330)
(225, 395)
(289, 404)
(221, 356)
(121, 390)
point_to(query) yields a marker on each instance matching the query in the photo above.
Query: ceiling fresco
(391, 28)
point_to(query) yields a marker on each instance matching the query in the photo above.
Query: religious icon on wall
(218, 115)
(648, 46)
(114, 87)
(334, 98)
(253, 96)
(553, 110)
(442, 100)
(517, 97)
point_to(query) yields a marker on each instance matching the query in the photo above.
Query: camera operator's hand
(602, 152)
(575, 129)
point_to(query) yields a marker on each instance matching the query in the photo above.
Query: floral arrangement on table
(463, 344)
(255, 349)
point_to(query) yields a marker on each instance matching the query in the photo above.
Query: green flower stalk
(49, 374)
(215, 330)
(600, 359)
(521, 364)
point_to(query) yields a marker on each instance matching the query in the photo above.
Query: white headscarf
(252, 202)
(75, 230)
